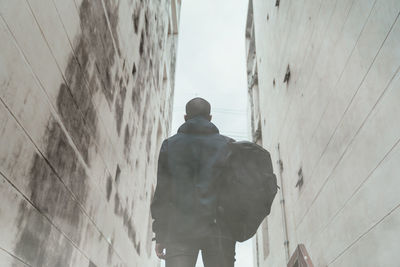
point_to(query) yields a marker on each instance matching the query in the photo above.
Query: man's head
(198, 107)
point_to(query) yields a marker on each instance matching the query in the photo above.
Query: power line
(220, 110)
(234, 132)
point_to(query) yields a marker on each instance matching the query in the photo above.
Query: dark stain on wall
(143, 79)
(34, 249)
(146, 22)
(96, 48)
(136, 17)
(149, 141)
(141, 45)
(117, 174)
(117, 204)
(60, 161)
(127, 142)
(88, 71)
(145, 119)
(119, 107)
(287, 75)
(74, 122)
(109, 187)
(134, 70)
(61, 169)
(48, 177)
(123, 213)
(31, 250)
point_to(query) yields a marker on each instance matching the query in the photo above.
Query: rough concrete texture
(325, 105)
(86, 97)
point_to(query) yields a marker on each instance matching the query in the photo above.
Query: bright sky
(211, 64)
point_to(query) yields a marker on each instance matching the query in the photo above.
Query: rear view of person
(185, 203)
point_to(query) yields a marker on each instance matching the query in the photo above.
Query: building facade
(86, 100)
(323, 81)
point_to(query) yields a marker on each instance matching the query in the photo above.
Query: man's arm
(160, 203)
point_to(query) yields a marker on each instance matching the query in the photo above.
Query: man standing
(185, 203)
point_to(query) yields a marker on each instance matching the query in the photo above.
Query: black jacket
(185, 200)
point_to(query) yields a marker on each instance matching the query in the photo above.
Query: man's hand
(160, 251)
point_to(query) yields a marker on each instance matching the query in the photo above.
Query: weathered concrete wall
(86, 97)
(336, 124)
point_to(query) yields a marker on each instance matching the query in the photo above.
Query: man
(185, 202)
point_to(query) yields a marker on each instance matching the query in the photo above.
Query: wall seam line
(358, 130)
(43, 215)
(364, 234)
(15, 257)
(56, 116)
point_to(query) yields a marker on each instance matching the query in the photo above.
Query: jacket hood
(198, 125)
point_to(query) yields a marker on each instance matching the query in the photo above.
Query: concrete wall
(336, 123)
(86, 97)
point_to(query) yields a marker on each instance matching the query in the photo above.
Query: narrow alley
(91, 88)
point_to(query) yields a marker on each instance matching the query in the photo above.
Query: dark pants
(216, 252)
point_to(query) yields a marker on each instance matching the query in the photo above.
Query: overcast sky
(211, 64)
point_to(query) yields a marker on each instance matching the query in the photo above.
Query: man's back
(185, 200)
(184, 206)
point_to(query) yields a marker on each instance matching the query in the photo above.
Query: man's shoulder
(227, 138)
(173, 137)
(212, 137)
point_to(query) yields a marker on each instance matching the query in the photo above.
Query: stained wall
(86, 94)
(332, 127)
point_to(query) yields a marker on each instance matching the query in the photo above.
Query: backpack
(247, 188)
